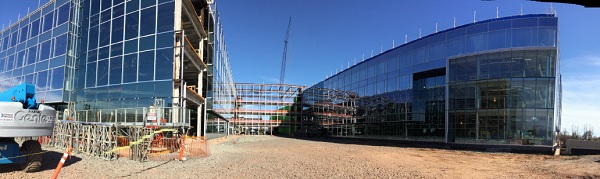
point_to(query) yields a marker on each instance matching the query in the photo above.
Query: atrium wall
(489, 82)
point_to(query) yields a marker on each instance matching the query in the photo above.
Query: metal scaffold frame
(265, 109)
(110, 141)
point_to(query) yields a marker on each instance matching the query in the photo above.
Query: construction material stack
(21, 116)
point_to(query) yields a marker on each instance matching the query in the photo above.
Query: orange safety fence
(163, 148)
(130, 142)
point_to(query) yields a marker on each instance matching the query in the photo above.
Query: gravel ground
(278, 157)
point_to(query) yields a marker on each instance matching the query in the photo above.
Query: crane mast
(284, 59)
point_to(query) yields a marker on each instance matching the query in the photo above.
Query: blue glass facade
(119, 60)
(490, 82)
(34, 50)
(127, 53)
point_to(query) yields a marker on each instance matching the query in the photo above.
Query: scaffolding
(110, 142)
(263, 109)
(99, 130)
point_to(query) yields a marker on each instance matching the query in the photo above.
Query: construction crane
(285, 46)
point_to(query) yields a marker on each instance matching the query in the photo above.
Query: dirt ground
(278, 157)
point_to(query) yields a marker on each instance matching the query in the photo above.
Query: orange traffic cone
(61, 163)
(182, 149)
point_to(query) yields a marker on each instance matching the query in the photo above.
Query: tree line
(585, 132)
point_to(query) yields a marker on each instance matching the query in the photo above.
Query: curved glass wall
(402, 93)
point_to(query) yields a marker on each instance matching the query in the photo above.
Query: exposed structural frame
(191, 60)
(265, 109)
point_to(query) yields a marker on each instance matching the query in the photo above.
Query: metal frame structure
(265, 109)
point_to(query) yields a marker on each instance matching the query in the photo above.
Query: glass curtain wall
(127, 54)
(33, 50)
(502, 98)
(221, 91)
(401, 93)
(224, 92)
(327, 111)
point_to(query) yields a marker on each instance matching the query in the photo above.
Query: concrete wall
(582, 147)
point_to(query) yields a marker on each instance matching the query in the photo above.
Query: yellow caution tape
(6, 158)
(113, 150)
(140, 140)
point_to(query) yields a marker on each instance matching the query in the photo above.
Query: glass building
(36, 50)
(490, 82)
(121, 61)
(222, 94)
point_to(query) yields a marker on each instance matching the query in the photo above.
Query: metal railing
(168, 116)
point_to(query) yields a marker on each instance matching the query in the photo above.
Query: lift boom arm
(23, 93)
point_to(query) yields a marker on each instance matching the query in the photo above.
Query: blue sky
(329, 34)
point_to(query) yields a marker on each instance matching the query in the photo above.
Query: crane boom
(284, 60)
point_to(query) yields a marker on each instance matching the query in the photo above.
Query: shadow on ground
(49, 162)
(141, 171)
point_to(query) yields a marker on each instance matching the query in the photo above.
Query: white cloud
(594, 60)
(581, 94)
(581, 61)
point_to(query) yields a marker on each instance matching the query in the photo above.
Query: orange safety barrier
(61, 163)
(122, 141)
(177, 147)
(182, 149)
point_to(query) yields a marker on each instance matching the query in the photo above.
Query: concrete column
(227, 128)
(175, 114)
(177, 67)
(201, 49)
(178, 15)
